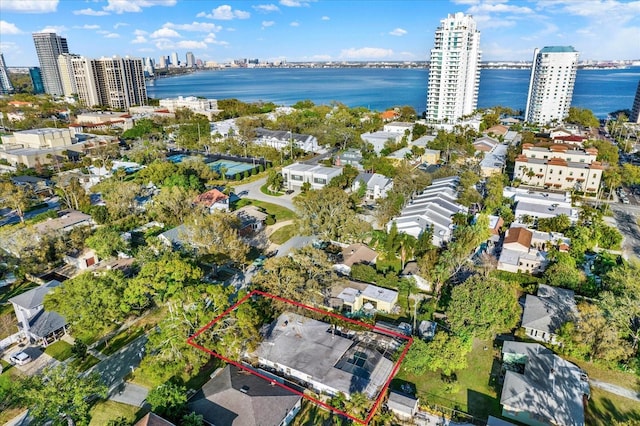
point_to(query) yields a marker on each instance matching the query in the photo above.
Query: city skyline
(303, 30)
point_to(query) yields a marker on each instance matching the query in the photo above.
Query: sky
(316, 30)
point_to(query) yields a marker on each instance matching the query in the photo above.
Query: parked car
(20, 358)
(625, 201)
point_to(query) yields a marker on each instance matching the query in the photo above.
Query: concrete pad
(129, 393)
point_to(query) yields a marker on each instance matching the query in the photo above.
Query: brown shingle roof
(519, 235)
(153, 420)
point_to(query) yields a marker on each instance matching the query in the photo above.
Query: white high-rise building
(5, 83)
(635, 109)
(191, 60)
(65, 67)
(553, 75)
(48, 47)
(174, 59)
(454, 69)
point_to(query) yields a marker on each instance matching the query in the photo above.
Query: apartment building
(297, 174)
(454, 69)
(5, 83)
(559, 167)
(48, 47)
(207, 107)
(553, 75)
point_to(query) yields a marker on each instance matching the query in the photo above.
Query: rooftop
(552, 307)
(558, 49)
(35, 297)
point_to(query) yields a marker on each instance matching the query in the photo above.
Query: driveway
(618, 390)
(252, 191)
(39, 362)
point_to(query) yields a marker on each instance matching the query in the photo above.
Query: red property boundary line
(191, 341)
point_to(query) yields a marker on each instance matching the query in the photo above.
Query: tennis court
(232, 167)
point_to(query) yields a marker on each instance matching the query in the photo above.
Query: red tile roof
(211, 197)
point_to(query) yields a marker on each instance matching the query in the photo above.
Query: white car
(20, 358)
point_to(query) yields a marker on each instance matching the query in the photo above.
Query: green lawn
(60, 350)
(104, 411)
(279, 212)
(88, 362)
(283, 234)
(605, 407)
(125, 337)
(267, 191)
(473, 392)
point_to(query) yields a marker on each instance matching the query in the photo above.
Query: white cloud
(9, 46)
(165, 33)
(87, 27)
(102, 32)
(295, 24)
(212, 39)
(7, 28)
(366, 53)
(266, 8)
(267, 24)
(29, 6)
(138, 40)
(204, 27)
(122, 6)
(398, 32)
(140, 32)
(295, 3)
(146, 49)
(225, 13)
(191, 44)
(325, 18)
(112, 35)
(120, 24)
(498, 8)
(90, 12)
(486, 22)
(58, 29)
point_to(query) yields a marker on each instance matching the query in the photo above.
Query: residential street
(627, 216)
(252, 191)
(117, 366)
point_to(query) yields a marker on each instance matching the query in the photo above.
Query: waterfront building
(48, 47)
(191, 60)
(207, 107)
(174, 59)
(559, 167)
(5, 83)
(635, 110)
(454, 69)
(36, 80)
(553, 75)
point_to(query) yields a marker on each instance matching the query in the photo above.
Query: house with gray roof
(546, 312)
(282, 139)
(175, 237)
(234, 397)
(376, 185)
(34, 322)
(379, 139)
(541, 388)
(317, 354)
(403, 406)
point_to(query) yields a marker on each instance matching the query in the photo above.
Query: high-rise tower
(553, 75)
(454, 69)
(191, 60)
(635, 109)
(5, 83)
(48, 47)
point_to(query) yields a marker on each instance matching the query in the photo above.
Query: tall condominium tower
(36, 80)
(174, 59)
(191, 60)
(5, 83)
(48, 47)
(635, 110)
(115, 82)
(65, 68)
(454, 69)
(553, 75)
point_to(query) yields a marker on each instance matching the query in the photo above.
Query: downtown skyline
(301, 30)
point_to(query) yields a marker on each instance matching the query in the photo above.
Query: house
(175, 237)
(485, 143)
(403, 155)
(534, 204)
(379, 139)
(355, 254)
(546, 312)
(389, 115)
(497, 130)
(352, 157)
(36, 184)
(377, 185)
(399, 127)
(81, 259)
(559, 167)
(494, 161)
(517, 254)
(411, 271)
(433, 208)
(317, 354)
(65, 222)
(206, 107)
(252, 220)
(282, 139)
(151, 419)
(403, 406)
(354, 296)
(541, 388)
(297, 174)
(213, 200)
(234, 397)
(34, 322)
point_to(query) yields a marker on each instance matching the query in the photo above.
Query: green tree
(168, 399)
(598, 338)
(173, 204)
(483, 307)
(72, 194)
(106, 242)
(62, 397)
(621, 301)
(16, 197)
(564, 272)
(215, 236)
(445, 352)
(583, 117)
(274, 180)
(329, 213)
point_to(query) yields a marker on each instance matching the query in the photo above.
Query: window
(320, 181)
(297, 177)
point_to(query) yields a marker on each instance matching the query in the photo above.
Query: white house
(379, 139)
(280, 139)
(540, 204)
(296, 174)
(377, 185)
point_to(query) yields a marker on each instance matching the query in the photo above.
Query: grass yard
(120, 340)
(88, 362)
(267, 191)
(474, 392)
(60, 350)
(279, 212)
(104, 411)
(283, 234)
(605, 407)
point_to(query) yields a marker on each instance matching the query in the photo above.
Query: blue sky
(316, 30)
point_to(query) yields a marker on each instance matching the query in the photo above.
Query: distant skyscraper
(635, 110)
(5, 83)
(48, 47)
(174, 59)
(163, 62)
(454, 69)
(553, 75)
(36, 80)
(191, 60)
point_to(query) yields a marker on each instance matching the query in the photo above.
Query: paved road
(8, 217)
(626, 216)
(117, 366)
(618, 390)
(252, 191)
